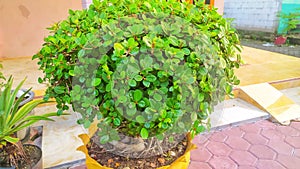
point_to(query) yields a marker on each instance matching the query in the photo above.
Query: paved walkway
(293, 50)
(259, 145)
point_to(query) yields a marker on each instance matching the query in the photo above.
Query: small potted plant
(23, 134)
(147, 72)
(291, 22)
(13, 118)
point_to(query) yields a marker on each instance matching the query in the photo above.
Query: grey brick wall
(256, 15)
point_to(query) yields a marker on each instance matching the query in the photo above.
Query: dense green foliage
(141, 66)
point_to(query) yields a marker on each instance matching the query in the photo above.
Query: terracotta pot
(181, 163)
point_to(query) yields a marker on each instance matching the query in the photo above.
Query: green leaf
(131, 112)
(104, 139)
(147, 125)
(144, 133)
(86, 124)
(186, 51)
(122, 99)
(11, 139)
(200, 97)
(194, 116)
(59, 89)
(71, 73)
(140, 119)
(40, 80)
(142, 103)
(117, 121)
(138, 78)
(96, 81)
(228, 88)
(157, 97)
(132, 43)
(150, 78)
(118, 46)
(137, 95)
(131, 82)
(190, 80)
(222, 63)
(173, 40)
(200, 129)
(146, 83)
(81, 53)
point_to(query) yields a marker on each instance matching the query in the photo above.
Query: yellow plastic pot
(181, 163)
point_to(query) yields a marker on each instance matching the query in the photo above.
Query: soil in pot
(110, 159)
(33, 154)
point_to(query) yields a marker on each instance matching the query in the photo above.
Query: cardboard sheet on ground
(268, 98)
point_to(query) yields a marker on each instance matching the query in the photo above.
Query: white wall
(256, 15)
(220, 5)
(86, 3)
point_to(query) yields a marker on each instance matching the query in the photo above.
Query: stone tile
(270, 164)
(21, 68)
(297, 153)
(218, 137)
(234, 131)
(218, 149)
(243, 157)
(295, 125)
(273, 134)
(293, 93)
(246, 167)
(255, 138)
(201, 154)
(290, 162)
(265, 124)
(60, 138)
(222, 162)
(82, 166)
(234, 111)
(251, 128)
(200, 139)
(237, 143)
(258, 59)
(197, 165)
(288, 130)
(281, 147)
(263, 152)
(293, 141)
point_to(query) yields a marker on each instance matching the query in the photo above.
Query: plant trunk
(13, 153)
(139, 148)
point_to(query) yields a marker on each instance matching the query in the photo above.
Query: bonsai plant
(13, 119)
(146, 70)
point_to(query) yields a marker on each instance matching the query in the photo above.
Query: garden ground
(243, 136)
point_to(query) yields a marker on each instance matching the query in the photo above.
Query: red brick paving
(237, 143)
(255, 138)
(260, 145)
